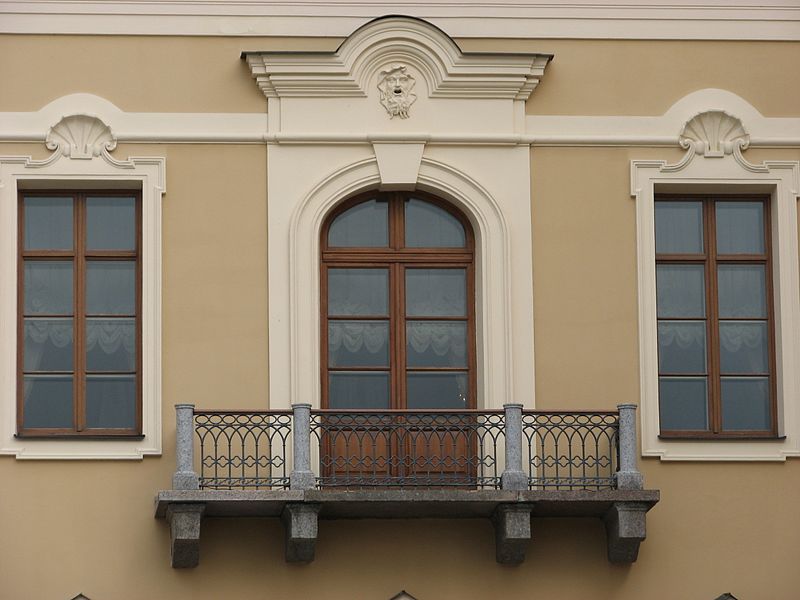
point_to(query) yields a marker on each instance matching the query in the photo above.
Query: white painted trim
(504, 303)
(349, 72)
(730, 172)
(147, 173)
(711, 20)
(540, 130)
(136, 126)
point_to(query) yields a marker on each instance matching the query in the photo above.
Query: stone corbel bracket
(349, 71)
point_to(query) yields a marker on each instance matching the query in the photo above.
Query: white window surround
(81, 145)
(316, 98)
(713, 163)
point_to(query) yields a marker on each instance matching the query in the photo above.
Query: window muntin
(398, 323)
(716, 349)
(79, 350)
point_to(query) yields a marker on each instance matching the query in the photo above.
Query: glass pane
(436, 344)
(436, 292)
(358, 389)
(358, 292)
(110, 287)
(740, 227)
(111, 223)
(428, 226)
(745, 403)
(48, 223)
(437, 390)
(364, 225)
(681, 291)
(682, 403)
(743, 347)
(48, 401)
(742, 291)
(111, 402)
(358, 344)
(48, 345)
(111, 344)
(48, 287)
(679, 227)
(682, 347)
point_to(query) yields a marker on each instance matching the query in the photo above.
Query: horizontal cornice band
(711, 20)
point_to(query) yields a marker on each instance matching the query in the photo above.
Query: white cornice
(540, 130)
(448, 71)
(592, 19)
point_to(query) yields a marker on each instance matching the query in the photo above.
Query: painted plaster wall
(70, 527)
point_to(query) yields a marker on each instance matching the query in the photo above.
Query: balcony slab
(404, 503)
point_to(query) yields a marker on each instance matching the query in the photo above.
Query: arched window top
(397, 221)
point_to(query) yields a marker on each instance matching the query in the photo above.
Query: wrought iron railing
(509, 449)
(570, 450)
(243, 449)
(408, 448)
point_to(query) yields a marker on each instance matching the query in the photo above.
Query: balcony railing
(348, 449)
(508, 465)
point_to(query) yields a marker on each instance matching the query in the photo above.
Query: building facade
(323, 301)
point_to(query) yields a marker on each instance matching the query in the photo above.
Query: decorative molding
(498, 217)
(76, 116)
(540, 19)
(714, 134)
(81, 136)
(396, 87)
(732, 173)
(542, 130)
(63, 169)
(447, 71)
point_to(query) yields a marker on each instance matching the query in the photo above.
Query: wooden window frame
(396, 258)
(79, 256)
(710, 258)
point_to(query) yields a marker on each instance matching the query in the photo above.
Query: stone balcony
(508, 466)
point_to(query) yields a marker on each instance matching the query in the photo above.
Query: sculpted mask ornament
(396, 87)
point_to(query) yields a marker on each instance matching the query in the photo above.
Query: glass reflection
(48, 223)
(683, 404)
(679, 227)
(740, 227)
(429, 226)
(436, 292)
(364, 225)
(362, 292)
(680, 291)
(111, 223)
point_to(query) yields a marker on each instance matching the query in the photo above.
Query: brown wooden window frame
(79, 256)
(396, 257)
(710, 258)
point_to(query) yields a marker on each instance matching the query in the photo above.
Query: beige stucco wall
(70, 527)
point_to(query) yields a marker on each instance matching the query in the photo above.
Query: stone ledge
(403, 503)
(622, 511)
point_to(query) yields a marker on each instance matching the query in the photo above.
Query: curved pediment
(390, 43)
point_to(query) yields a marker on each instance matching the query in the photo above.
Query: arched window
(398, 304)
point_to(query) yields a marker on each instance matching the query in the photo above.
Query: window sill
(722, 438)
(124, 437)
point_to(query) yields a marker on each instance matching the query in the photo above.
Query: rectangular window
(79, 310)
(716, 348)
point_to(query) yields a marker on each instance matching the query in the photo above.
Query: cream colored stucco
(70, 527)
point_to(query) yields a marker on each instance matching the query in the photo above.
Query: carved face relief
(396, 87)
